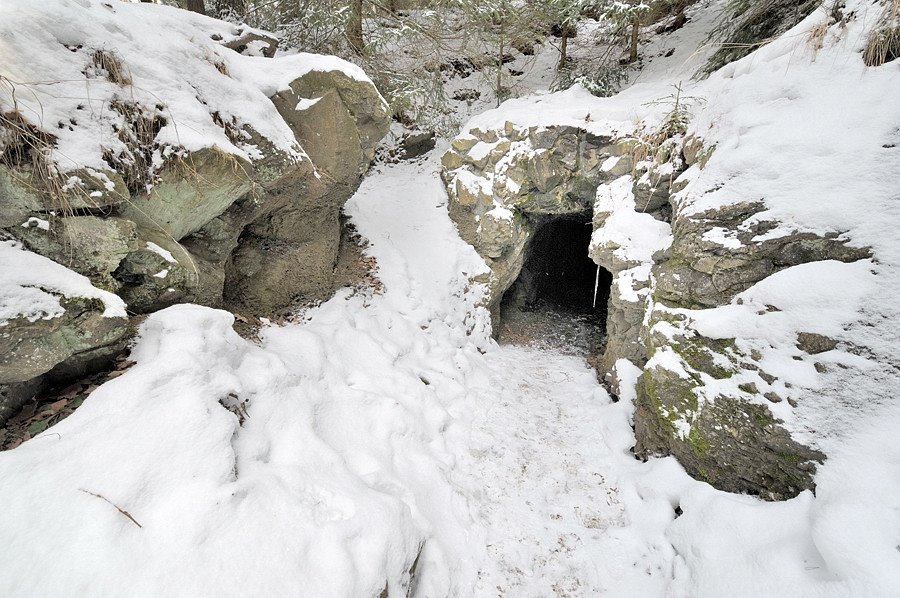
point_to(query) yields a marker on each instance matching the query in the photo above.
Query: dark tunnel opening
(554, 295)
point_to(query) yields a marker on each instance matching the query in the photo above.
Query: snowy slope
(171, 64)
(377, 425)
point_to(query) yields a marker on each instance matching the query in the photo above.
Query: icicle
(596, 284)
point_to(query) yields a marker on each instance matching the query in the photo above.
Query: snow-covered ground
(387, 432)
(378, 425)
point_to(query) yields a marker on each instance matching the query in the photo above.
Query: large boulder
(212, 226)
(337, 119)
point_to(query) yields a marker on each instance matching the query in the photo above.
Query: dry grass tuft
(108, 65)
(27, 152)
(816, 39)
(883, 44)
(24, 145)
(222, 68)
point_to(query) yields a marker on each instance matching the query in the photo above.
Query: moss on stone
(698, 352)
(760, 414)
(704, 156)
(699, 443)
(672, 399)
(650, 390)
(702, 474)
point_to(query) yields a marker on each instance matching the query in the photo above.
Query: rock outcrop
(217, 178)
(707, 400)
(269, 228)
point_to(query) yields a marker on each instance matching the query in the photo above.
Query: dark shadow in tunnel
(554, 293)
(558, 272)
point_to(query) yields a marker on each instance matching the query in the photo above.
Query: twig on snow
(122, 511)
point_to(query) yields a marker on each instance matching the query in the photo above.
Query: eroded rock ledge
(703, 397)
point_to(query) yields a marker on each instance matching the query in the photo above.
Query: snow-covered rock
(50, 317)
(700, 199)
(188, 144)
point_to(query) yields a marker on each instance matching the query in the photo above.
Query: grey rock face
(503, 182)
(191, 191)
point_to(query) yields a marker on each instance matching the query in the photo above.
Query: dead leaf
(38, 427)
(55, 408)
(124, 364)
(28, 410)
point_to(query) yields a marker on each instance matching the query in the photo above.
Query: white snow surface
(163, 253)
(634, 235)
(377, 426)
(31, 286)
(383, 425)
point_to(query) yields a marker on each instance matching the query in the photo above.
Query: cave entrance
(552, 303)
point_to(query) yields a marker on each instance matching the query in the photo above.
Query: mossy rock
(90, 245)
(150, 281)
(700, 353)
(733, 444)
(22, 194)
(18, 198)
(190, 191)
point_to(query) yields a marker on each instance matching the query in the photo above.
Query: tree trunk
(236, 8)
(196, 6)
(354, 27)
(499, 88)
(563, 48)
(680, 18)
(635, 32)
